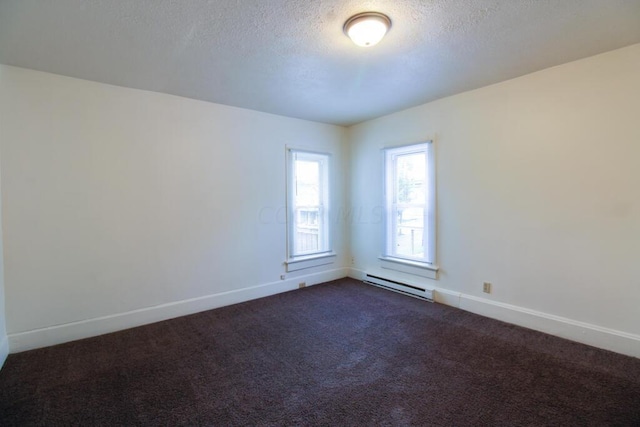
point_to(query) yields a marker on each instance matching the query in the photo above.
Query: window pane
(410, 202)
(410, 178)
(307, 207)
(307, 183)
(409, 232)
(307, 231)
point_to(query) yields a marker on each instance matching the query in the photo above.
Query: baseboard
(354, 273)
(4, 350)
(447, 297)
(597, 336)
(585, 333)
(59, 334)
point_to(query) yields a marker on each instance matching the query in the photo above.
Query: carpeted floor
(341, 353)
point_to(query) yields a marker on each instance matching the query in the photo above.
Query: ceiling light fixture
(367, 29)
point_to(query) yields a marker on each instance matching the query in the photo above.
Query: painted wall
(538, 189)
(123, 201)
(4, 342)
(117, 199)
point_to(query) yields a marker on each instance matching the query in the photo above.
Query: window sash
(302, 241)
(393, 207)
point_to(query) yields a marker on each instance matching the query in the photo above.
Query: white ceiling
(290, 57)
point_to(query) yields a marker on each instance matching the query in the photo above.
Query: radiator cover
(399, 286)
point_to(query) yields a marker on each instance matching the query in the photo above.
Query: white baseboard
(354, 273)
(4, 350)
(586, 333)
(597, 336)
(447, 297)
(59, 334)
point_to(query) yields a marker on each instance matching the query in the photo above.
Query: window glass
(308, 203)
(410, 203)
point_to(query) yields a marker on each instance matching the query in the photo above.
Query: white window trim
(416, 268)
(327, 255)
(309, 261)
(411, 265)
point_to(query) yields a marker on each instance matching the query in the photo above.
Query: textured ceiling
(290, 57)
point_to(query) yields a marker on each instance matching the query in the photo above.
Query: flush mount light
(368, 28)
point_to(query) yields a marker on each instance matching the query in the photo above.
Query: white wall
(121, 207)
(116, 200)
(538, 193)
(4, 342)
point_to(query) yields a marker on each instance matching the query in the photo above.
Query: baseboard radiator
(398, 286)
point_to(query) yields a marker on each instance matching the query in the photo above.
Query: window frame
(391, 259)
(296, 261)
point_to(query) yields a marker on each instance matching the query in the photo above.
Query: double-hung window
(308, 207)
(410, 204)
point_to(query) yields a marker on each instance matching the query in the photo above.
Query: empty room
(287, 212)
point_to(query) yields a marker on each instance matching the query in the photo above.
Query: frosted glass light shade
(367, 29)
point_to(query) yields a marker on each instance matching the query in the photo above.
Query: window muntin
(308, 225)
(410, 203)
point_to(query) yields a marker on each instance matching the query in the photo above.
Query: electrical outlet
(282, 277)
(353, 261)
(486, 287)
(302, 285)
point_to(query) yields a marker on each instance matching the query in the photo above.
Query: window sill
(416, 268)
(308, 261)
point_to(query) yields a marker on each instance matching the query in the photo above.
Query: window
(308, 205)
(410, 203)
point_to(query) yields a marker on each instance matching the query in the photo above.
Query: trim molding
(447, 297)
(316, 260)
(4, 350)
(573, 330)
(59, 334)
(354, 273)
(586, 333)
(415, 268)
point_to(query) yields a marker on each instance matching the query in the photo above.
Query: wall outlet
(282, 277)
(353, 261)
(486, 287)
(302, 285)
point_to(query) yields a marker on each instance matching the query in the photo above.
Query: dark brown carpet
(341, 353)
